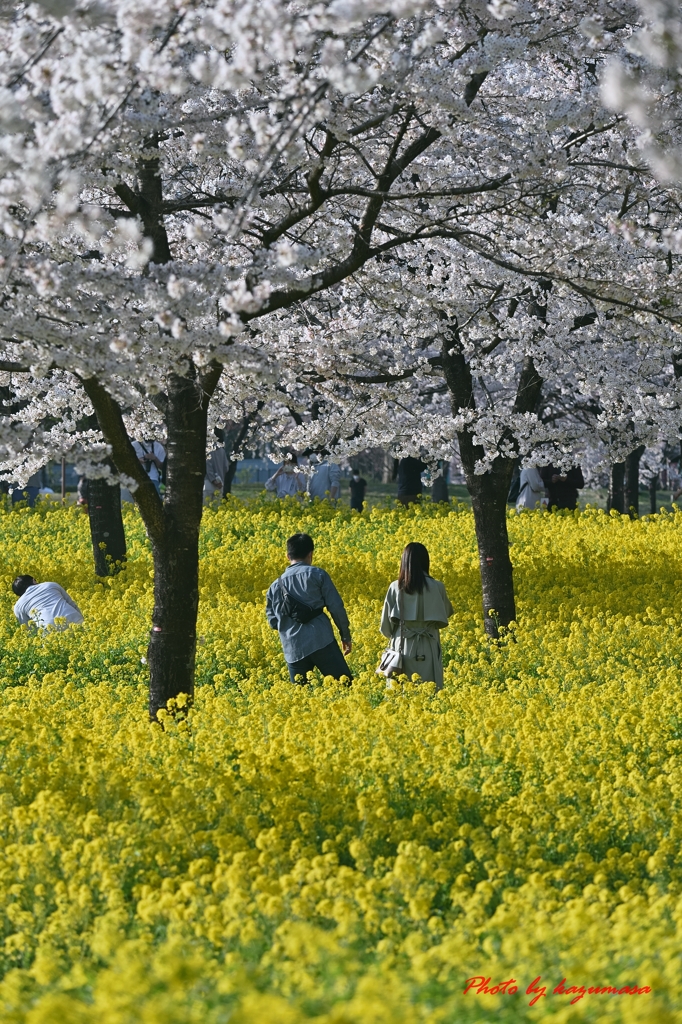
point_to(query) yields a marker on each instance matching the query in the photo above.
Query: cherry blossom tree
(472, 357)
(180, 181)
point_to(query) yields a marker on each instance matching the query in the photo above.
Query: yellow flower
(345, 854)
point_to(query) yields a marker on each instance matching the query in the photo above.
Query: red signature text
(482, 986)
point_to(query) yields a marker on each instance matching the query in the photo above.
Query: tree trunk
(106, 527)
(229, 477)
(172, 644)
(653, 484)
(172, 527)
(390, 469)
(439, 487)
(616, 499)
(489, 502)
(234, 439)
(488, 490)
(632, 480)
(103, 503)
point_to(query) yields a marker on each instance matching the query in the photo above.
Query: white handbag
(391, 662)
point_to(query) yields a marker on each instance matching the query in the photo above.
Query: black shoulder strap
(280, 580)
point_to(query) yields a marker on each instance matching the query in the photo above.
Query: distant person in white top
(44, 605)
(531, 489)
(151, 454)
(288, 480)
(325, 481)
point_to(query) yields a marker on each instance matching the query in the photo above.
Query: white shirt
(43, 603)
(145, 448)
(325, 477)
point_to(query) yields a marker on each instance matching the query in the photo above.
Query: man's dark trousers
(329, 660)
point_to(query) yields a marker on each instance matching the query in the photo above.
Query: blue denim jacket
(313, 586)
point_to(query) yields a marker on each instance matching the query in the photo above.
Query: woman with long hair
(425, 609)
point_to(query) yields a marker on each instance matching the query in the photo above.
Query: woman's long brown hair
(414, 568)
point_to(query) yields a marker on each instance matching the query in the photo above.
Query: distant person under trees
(217, 468)
(358, 486)
(562, 488)
(531, 489)
(325, 481)
(410, 480)
(152, 455)
(288, 480)
(44, 605)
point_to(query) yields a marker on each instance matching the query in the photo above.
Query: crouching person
(295, 607)
(44, 605)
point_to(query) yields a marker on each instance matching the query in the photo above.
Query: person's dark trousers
(329, 660)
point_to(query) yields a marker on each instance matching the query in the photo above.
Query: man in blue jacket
(325, 481)
(295, 607)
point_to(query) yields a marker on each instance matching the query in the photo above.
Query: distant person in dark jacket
(410, 480)
(358, 486)
(562, 488)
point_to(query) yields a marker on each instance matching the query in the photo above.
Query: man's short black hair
(299, 546)
(21, 584)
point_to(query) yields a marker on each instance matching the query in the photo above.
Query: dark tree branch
(529, 388)
(208, 381)
(317, 196)
(7, 366)
(586, 291)
(115, 434)
(32, 61)
(389, 378)
(473, 85)
(147, 204)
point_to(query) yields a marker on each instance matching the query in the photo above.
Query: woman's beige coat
(425, 615)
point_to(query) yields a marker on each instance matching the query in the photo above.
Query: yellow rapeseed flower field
(347, 855)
